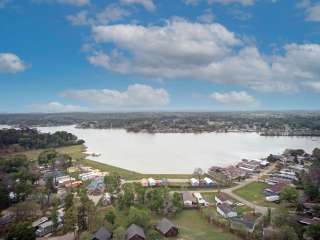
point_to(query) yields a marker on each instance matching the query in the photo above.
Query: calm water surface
(180, 153)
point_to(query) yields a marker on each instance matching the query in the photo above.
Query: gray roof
(187, 196)
(102, 234)
(134, 230)
(225, 207)
(249, 224)
(165, 225)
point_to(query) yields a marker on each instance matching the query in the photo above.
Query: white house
(189, 201)
(200, 199)
(221, 198)
(208, 181)
(226, 210)
(152, 182)
(194, 182)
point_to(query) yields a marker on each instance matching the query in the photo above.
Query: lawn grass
(194, 226)
(253, 192)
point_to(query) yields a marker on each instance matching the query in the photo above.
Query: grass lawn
(194, 226)
(253, 192)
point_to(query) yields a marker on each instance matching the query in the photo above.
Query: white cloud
(243, 2)
(147, 4)
(186, 50)
(136, 96)
(110, 13)
(313, 13)
(79, 19)
(225, 2)
(11, 63)
(206, 17)
(314, 86)
(56, 107)
(234, 98)
(78, 3)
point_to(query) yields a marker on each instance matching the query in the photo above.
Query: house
(135, 232)
(96, 187)
(223, 198)
(225, 210)
(248, 224)
(308, 221)
(194, 182)
(144, 182)
(151, 182)
(39, 221)
(106, 199)
(167, 228)
(45, 228)
(102, 234)
(200, 199)
(275, 189)
(208, 181)
(189, 201)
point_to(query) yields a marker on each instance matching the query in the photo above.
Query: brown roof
(277, 187)
(223, 197)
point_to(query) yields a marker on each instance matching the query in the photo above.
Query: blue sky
(136, 55)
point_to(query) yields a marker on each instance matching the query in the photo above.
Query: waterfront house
(275, 189)
(167, 228)
(225, 210)
(194, 182)
(135, 232)
(223, 198)
(96, 187)
(200, 199)
(189, 201)
(102, 234)
(144, 182)
(208, 181)
(152, 182)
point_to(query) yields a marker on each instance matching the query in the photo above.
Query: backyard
(253, 192)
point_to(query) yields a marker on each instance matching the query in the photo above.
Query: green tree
(4, 197)
(70, 220)
(286, 233)
(110, 216)
(198, 173)
(54, 217)
(177, 201)
(316, 153)
(21, 231)
(119, 233)
(156, 198)
(68, 201)
(140, 217)
(47, 157)
(289, 194)
(82, 218)
(313, 231)
(153, 234)
(112, 182)
(127, 198)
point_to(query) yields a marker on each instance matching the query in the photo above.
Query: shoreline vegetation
(286, 123)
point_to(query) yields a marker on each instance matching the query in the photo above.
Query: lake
(180, 152)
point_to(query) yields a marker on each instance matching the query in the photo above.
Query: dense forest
(17, 140)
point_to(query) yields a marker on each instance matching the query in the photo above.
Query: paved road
(257, 208)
